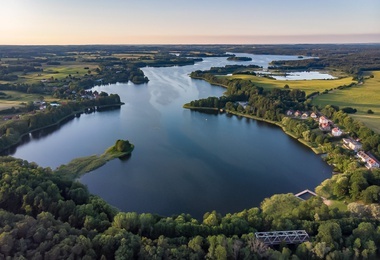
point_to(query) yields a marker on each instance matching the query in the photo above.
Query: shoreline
(54, 124)
(305, 143)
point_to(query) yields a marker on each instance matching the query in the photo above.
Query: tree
(330, 233)
(371, 194)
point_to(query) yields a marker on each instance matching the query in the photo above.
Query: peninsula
(80, 166)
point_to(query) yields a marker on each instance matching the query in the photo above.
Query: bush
(349, 110)
(369, 111)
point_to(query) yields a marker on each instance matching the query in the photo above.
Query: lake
(184, 161)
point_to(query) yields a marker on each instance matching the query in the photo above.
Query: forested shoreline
(12, 131)
(51, 216)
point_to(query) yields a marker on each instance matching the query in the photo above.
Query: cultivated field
(308, 86)
(362, 97)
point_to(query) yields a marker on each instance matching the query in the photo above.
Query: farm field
(362, 97)
(309, 86)
(75, 69)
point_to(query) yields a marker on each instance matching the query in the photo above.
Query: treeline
(269, 105)
(354, 185)
(228, 69)
(351, 62)
(50, 216)
(235, 58)
(12, 130)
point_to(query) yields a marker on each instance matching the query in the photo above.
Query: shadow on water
(46, 132)
(125, 158)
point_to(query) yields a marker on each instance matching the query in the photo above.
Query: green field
(362, 97)
(308, 86)
(62, 71)
(15, 99)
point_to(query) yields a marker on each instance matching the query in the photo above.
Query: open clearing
(362, 97)
(309, 86)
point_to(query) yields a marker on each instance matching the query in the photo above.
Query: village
(348, 142)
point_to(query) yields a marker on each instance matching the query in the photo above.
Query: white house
(371, 163)
(323, 120)
(352, 144)
(336, 131)
(363, 156)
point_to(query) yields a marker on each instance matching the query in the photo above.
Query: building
(298, 113)
(314, 115)
(363, 156)
(352, 144)
(323, 120)
(372, 163)
(289, 112)
(336, 131)
(305, 115)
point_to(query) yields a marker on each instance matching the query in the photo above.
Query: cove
(184, 161)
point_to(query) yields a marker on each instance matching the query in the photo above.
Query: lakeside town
(328, 126)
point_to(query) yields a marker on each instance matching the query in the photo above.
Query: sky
(64, 22)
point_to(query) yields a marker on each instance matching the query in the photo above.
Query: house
(363, 156)
(324, 124)
(305, 115)
(325, 127)
(298, 113)
(372, 163)
(289, 112)
(243, 104)
(336, 131)
(352, 144)
(323, 120)
(313, 115)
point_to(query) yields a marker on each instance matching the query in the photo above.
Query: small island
(82, 165)
(234, 58)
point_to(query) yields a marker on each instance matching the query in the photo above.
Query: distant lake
(300, 75)
(184, 161)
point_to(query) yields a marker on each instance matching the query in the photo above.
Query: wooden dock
(298, 195)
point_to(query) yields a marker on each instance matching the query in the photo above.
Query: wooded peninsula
(48, 214)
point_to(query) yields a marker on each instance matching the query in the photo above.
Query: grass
(341, 205)
(75, 69)
(308, 86)
(362, 97)
(15, 99)
(82, 165)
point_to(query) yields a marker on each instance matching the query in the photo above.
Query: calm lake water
(184, 161)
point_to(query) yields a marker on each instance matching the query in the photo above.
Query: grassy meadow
(61, 71)
(309, 86)
(362, 97)
(16, 99)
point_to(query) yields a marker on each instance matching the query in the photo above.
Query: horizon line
(212, 40)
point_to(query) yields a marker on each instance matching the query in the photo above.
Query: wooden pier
(298, 195)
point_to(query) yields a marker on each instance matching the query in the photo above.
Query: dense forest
(45, 215)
